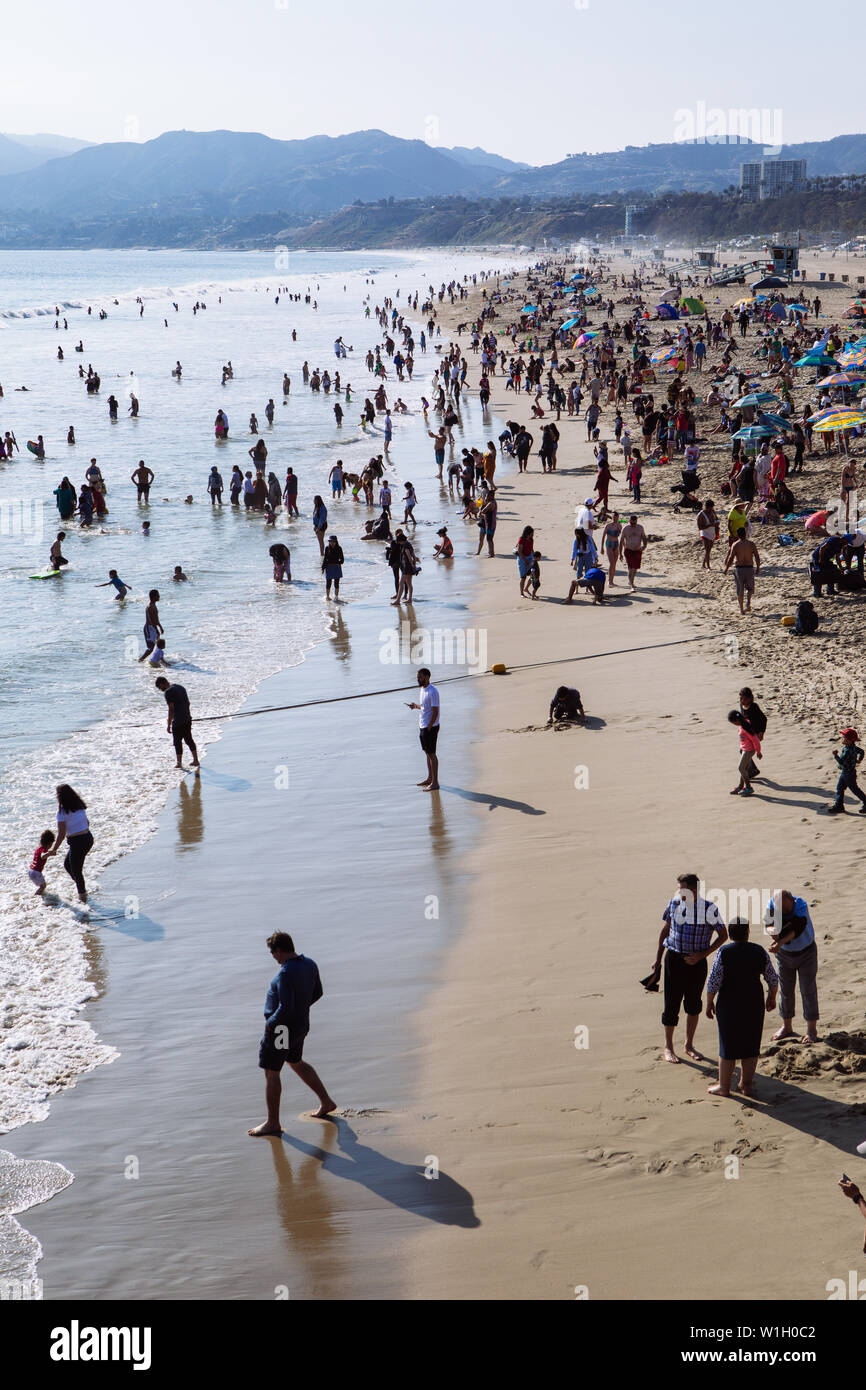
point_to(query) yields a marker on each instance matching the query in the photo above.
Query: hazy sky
(531, 79)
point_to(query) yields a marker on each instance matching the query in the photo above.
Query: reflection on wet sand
(190, 814)
(341, 638)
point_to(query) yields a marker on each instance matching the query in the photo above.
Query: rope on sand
(446, 680)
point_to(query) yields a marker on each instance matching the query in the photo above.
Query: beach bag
(806, 620)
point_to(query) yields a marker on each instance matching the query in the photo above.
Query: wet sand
(346, 859)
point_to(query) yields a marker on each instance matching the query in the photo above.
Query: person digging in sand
(291, 994)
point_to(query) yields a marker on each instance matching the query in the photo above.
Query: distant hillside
(239, 174)
(19, 153)
(207, 182)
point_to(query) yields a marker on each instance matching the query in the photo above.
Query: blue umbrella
(529, 309)
(778, 422)
(752, 434)
(570, 323)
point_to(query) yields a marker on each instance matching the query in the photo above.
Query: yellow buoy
(500, 669)
(788, 622)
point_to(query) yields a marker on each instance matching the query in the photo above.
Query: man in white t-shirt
(428, 721)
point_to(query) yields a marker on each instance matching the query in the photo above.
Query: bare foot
(265, 1129)
(783, 1033)
(431, 787)
(809, 1038)
(717, 1091)
(425, 783)
(326, 1108)
(694, 1054)
(671, 1056)
(747, 1092)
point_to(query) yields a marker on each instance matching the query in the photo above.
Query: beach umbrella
(663, 355)
(558, 284)
(670, 296)
(529, 309)
(744, 303)
(777, 422)
(585, 338)
(754, 433)
(757, 398)
(816, 359)
(846, 378)
(856, 311)
(852, 357)
(569, 323)
(837, 417)
(840, 417)
(770, 282)
(797, 309)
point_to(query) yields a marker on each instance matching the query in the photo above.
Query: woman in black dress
(736, 979)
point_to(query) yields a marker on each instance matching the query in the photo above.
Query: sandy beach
(507, 1128)
(598, 1170)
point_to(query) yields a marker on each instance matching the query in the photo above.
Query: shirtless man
(153, 628)
(743, 555)
(848, 490)
(439, 440)
(142, 477)
(632, 544)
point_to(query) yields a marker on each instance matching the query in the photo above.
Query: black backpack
(806, 620)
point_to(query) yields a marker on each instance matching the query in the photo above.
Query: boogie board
(34, 448)
(49, 574)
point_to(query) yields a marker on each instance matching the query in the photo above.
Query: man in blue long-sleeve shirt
(291, 994)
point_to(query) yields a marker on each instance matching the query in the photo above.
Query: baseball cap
(590, 502)
(848, 732)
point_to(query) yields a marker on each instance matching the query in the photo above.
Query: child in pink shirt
(750, 747)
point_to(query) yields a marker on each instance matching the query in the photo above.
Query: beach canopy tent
(770, 282)
(694, 306)
(779, 311)
(667, 311)
(757, 398)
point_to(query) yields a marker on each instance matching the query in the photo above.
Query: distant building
(770, 178)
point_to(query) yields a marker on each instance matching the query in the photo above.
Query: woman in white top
(72, 825)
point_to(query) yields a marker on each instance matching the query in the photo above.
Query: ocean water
(75, 704)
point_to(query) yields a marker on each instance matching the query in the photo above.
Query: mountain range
(218, 175)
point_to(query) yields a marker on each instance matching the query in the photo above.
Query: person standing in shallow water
(73, 825)
(428, 721)
(291, 995)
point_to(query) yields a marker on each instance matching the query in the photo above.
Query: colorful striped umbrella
(852, 357)
(839, 417)
(753, 433)
(586, 338)
(663, 355)
(777, 422)
(845, 378)
(757, 398)
(744, 303)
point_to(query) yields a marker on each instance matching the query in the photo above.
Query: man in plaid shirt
(693, 929)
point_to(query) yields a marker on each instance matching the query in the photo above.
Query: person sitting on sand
(291, 995)
(445, 549)
(693, 929)
(739, 1010)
